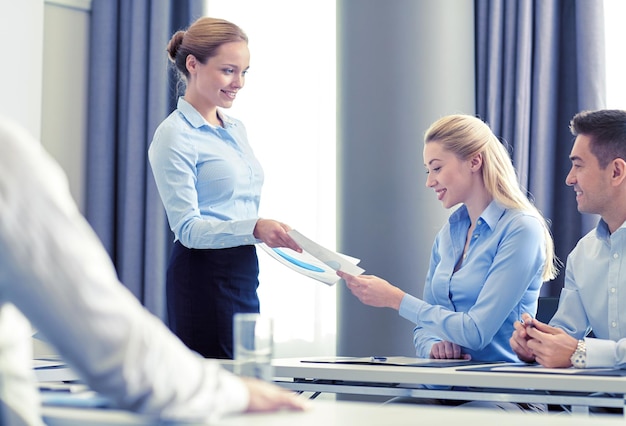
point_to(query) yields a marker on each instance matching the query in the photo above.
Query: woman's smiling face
(217, 82)
(448, 175)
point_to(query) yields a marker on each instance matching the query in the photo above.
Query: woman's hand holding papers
(373, 291)
(275, 234)
(533, 340)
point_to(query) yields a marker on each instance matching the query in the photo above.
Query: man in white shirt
(55, 273)
(594, 295)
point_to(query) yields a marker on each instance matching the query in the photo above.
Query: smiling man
(595, 276)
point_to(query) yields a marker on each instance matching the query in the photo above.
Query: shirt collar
(491, 215)
(196, 119)
(602, 229)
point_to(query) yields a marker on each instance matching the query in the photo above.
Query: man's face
(591, 183)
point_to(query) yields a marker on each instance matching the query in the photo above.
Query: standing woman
(210, 183)
(487, 263)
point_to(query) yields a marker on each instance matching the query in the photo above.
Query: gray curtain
(130, 92)
(538, 62)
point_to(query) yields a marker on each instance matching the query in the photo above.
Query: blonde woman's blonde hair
(467, 136)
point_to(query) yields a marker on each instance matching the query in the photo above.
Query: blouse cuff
(409, 307)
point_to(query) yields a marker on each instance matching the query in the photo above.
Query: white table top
(340, 413)
(447, 376)
(330, 413)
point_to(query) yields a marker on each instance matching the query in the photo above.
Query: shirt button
(612, 289)
(615, 255)
(475, 236)
(480, 222)
(613, 324)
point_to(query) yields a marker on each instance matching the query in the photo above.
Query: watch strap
(579, 357)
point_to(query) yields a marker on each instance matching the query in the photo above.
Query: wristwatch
(579, 357)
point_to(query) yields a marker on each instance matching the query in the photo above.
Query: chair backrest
(546, 308)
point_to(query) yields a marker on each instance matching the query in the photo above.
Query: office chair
(546, 308)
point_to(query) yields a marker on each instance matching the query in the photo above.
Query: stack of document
(53, 370)
(315, 261)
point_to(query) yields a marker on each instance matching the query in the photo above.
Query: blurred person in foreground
(55, 274)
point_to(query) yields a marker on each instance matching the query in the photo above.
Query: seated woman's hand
(373, 291)
(447, 350)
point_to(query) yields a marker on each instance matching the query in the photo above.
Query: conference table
(578, 389)
(334, 413)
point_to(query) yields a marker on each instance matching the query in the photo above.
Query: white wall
(21, 30)
(43, 80)
(64, 88)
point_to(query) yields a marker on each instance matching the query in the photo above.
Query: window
(288, 107)
(614, 12)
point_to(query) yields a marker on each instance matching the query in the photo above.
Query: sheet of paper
(394, 361)
(330, 258)
(47, 363)
(310, 265)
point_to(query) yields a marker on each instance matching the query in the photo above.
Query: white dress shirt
(594, 296)
(55, 271)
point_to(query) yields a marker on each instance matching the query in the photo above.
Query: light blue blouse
(476, 306)
(594, 296)
(208, 178)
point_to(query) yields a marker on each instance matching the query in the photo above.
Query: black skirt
(205, 288)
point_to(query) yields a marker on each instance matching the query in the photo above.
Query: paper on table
(47, 363)
(391, 361)
(306, 263)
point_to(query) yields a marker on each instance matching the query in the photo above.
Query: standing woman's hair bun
(202, 39)
(174, 44)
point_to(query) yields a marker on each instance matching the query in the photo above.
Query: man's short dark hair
(607, 130)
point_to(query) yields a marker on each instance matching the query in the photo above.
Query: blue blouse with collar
(476, 306)
(208, 178)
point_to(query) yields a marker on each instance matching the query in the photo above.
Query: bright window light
(614, 13)
(288, 108)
